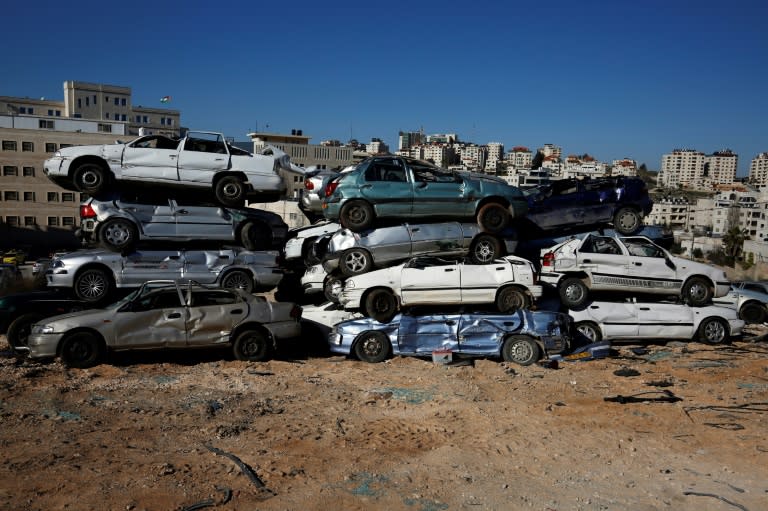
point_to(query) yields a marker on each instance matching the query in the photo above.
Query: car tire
(81, 350)
(751, 312)
(573, 293)
(521, 349)
(356, 216)
(90, 178)
(372, 347)
(493, 217)
(697, 291)
(713, 331)
(485, 249)
(589, 330)
(238, 279)
(255, 236)
(510, 299)
(93, 285)
(19, 330)
(332, 286)
(252, 346)
(381, 305)
(307, 254)
(230, 191)
(627, 221)
(118, 235)
(355, 261)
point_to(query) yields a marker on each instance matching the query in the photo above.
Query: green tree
(733, 243)
(697, 253)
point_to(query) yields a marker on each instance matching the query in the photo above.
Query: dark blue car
(522, 336)
(579, 204)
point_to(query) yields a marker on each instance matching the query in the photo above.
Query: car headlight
(42, 329)
(334, 338)
(349, 284)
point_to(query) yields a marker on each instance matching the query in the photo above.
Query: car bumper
(736, 326)
(284, 329)
(722, 289)
(550, 278)
(331, 265)
(43, 345)
(350, 299)
(265, 281)
(518, 209)
(59, 278)
(536, 291)
(340, 344)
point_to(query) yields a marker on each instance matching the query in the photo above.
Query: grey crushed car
(122, 220)
(522, 336)
(750, 299)
(354, 253)
(168, 315)
(94, 274)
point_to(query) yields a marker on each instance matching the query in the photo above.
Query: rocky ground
(678, 426)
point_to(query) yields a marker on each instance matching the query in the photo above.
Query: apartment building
(625, 167)
(720, 168)
(408, 139)
(758, 171)
(694, 170)
(473, 157)
(36, 213)
(519, 157)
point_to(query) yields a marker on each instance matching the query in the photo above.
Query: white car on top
(509, 283)
(632, 264)
(633, 320)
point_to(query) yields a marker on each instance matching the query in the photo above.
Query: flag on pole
(165, 99)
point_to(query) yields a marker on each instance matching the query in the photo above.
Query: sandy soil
(680, 427)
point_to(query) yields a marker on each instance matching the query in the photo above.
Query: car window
(754, 287)
(427, 173)
(385, 170)
(161, 300)
(600, 245)
(155, 142)
(213, 297)
(642, 248)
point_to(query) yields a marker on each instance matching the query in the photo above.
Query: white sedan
(509, 283)
(632, 320)
(199, 160)
(632, 264)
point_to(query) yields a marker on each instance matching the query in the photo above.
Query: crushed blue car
(523, 336)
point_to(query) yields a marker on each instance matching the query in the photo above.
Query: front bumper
(284, 329)
(43, 345)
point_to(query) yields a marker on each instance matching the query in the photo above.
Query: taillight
(308, 184)
(548, 259)
(86, 211)
(331, 188)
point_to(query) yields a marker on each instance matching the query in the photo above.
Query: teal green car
(395, 189)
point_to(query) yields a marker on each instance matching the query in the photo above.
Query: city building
(720, 168)
(758, 171)
(408, 139)
(693, 170)
(625, 167)
(519, 157)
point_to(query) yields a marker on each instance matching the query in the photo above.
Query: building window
(87, 101)
(117, 101)
(28, 171)
(162, 121)
(62, 146)
(10, 195)
(123, 102)
(53, 221)
(53, 196)
(138, 118)
(58, 113)
(12, 221)
(29, 196)
(78, 116)
(106, 98)
(50, 147)
(105, 128)
(84, 197)
(68, 221)
(10, 170)
(106, 115)
(145, 119)
(123, 117)
(44, 124)
(30, 110)
(30, 220)
(9, 145)
(67, 197)
(27, 146)
(22, 110)
(50, 112)
(94, 99)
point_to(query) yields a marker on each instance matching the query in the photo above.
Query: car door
(425, 333)
(619, 319)
(385, 184)
(212, 315)
(665, 321)
(606, 260)
(193, 220)
(201, 156)
(141, 266)
(649, 269)
(477, 335)
(386, 244)
(150, 158)
(480, 282)
(204, 266)
(155, 217)
(443, 239)
(440, 192)
(428, 280)
(157, 320)
(556, 205)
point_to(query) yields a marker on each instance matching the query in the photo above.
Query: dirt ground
(681, 426)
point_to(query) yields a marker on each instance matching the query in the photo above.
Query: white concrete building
(720, 168)
(682, 168)
(519, 157)
(625, 167)
(758, 170)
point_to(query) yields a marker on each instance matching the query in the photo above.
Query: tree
(697, 253)
(538, 159)
(733, 243)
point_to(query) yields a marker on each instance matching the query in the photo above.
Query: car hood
(104, 150)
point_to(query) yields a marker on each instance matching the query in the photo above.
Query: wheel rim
(521, 351)
(628, 221)
(252, 346)
(714, 331)
(333, 289)
(574, 293)
(117, 234)
(78, 351)
(237, 281)
(91, 178)
(357, 215)
(484, 252)
(512, 300)
(371, 346)
(92, 286)
(588, 332)
(231, 190)
(355, 262)
(752, 314)
(493, 219)
(697, 292)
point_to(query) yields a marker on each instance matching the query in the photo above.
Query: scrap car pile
(405, 258)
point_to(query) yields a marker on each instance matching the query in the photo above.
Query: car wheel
(356, 216)
(589, 330)
(81, 350)
(372, 347)
(332, 288)
(20, 328)
(237, 279)
(90, 178)
(510, 299)
(307, 254)
(256, 236)
(753, 313)
(485, 249)
(697, 291)
(493, 217)
(521, 350)
(381, 305)
(713, 331)
(230, 191)
(118, 235)
(627, 221)
(93, 285)
(354, 262)
(573, 293)
(252, 345)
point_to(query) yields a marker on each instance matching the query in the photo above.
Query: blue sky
(613, 79)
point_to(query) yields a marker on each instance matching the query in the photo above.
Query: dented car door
(424, 334)
(157, 320)
(212, 314)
